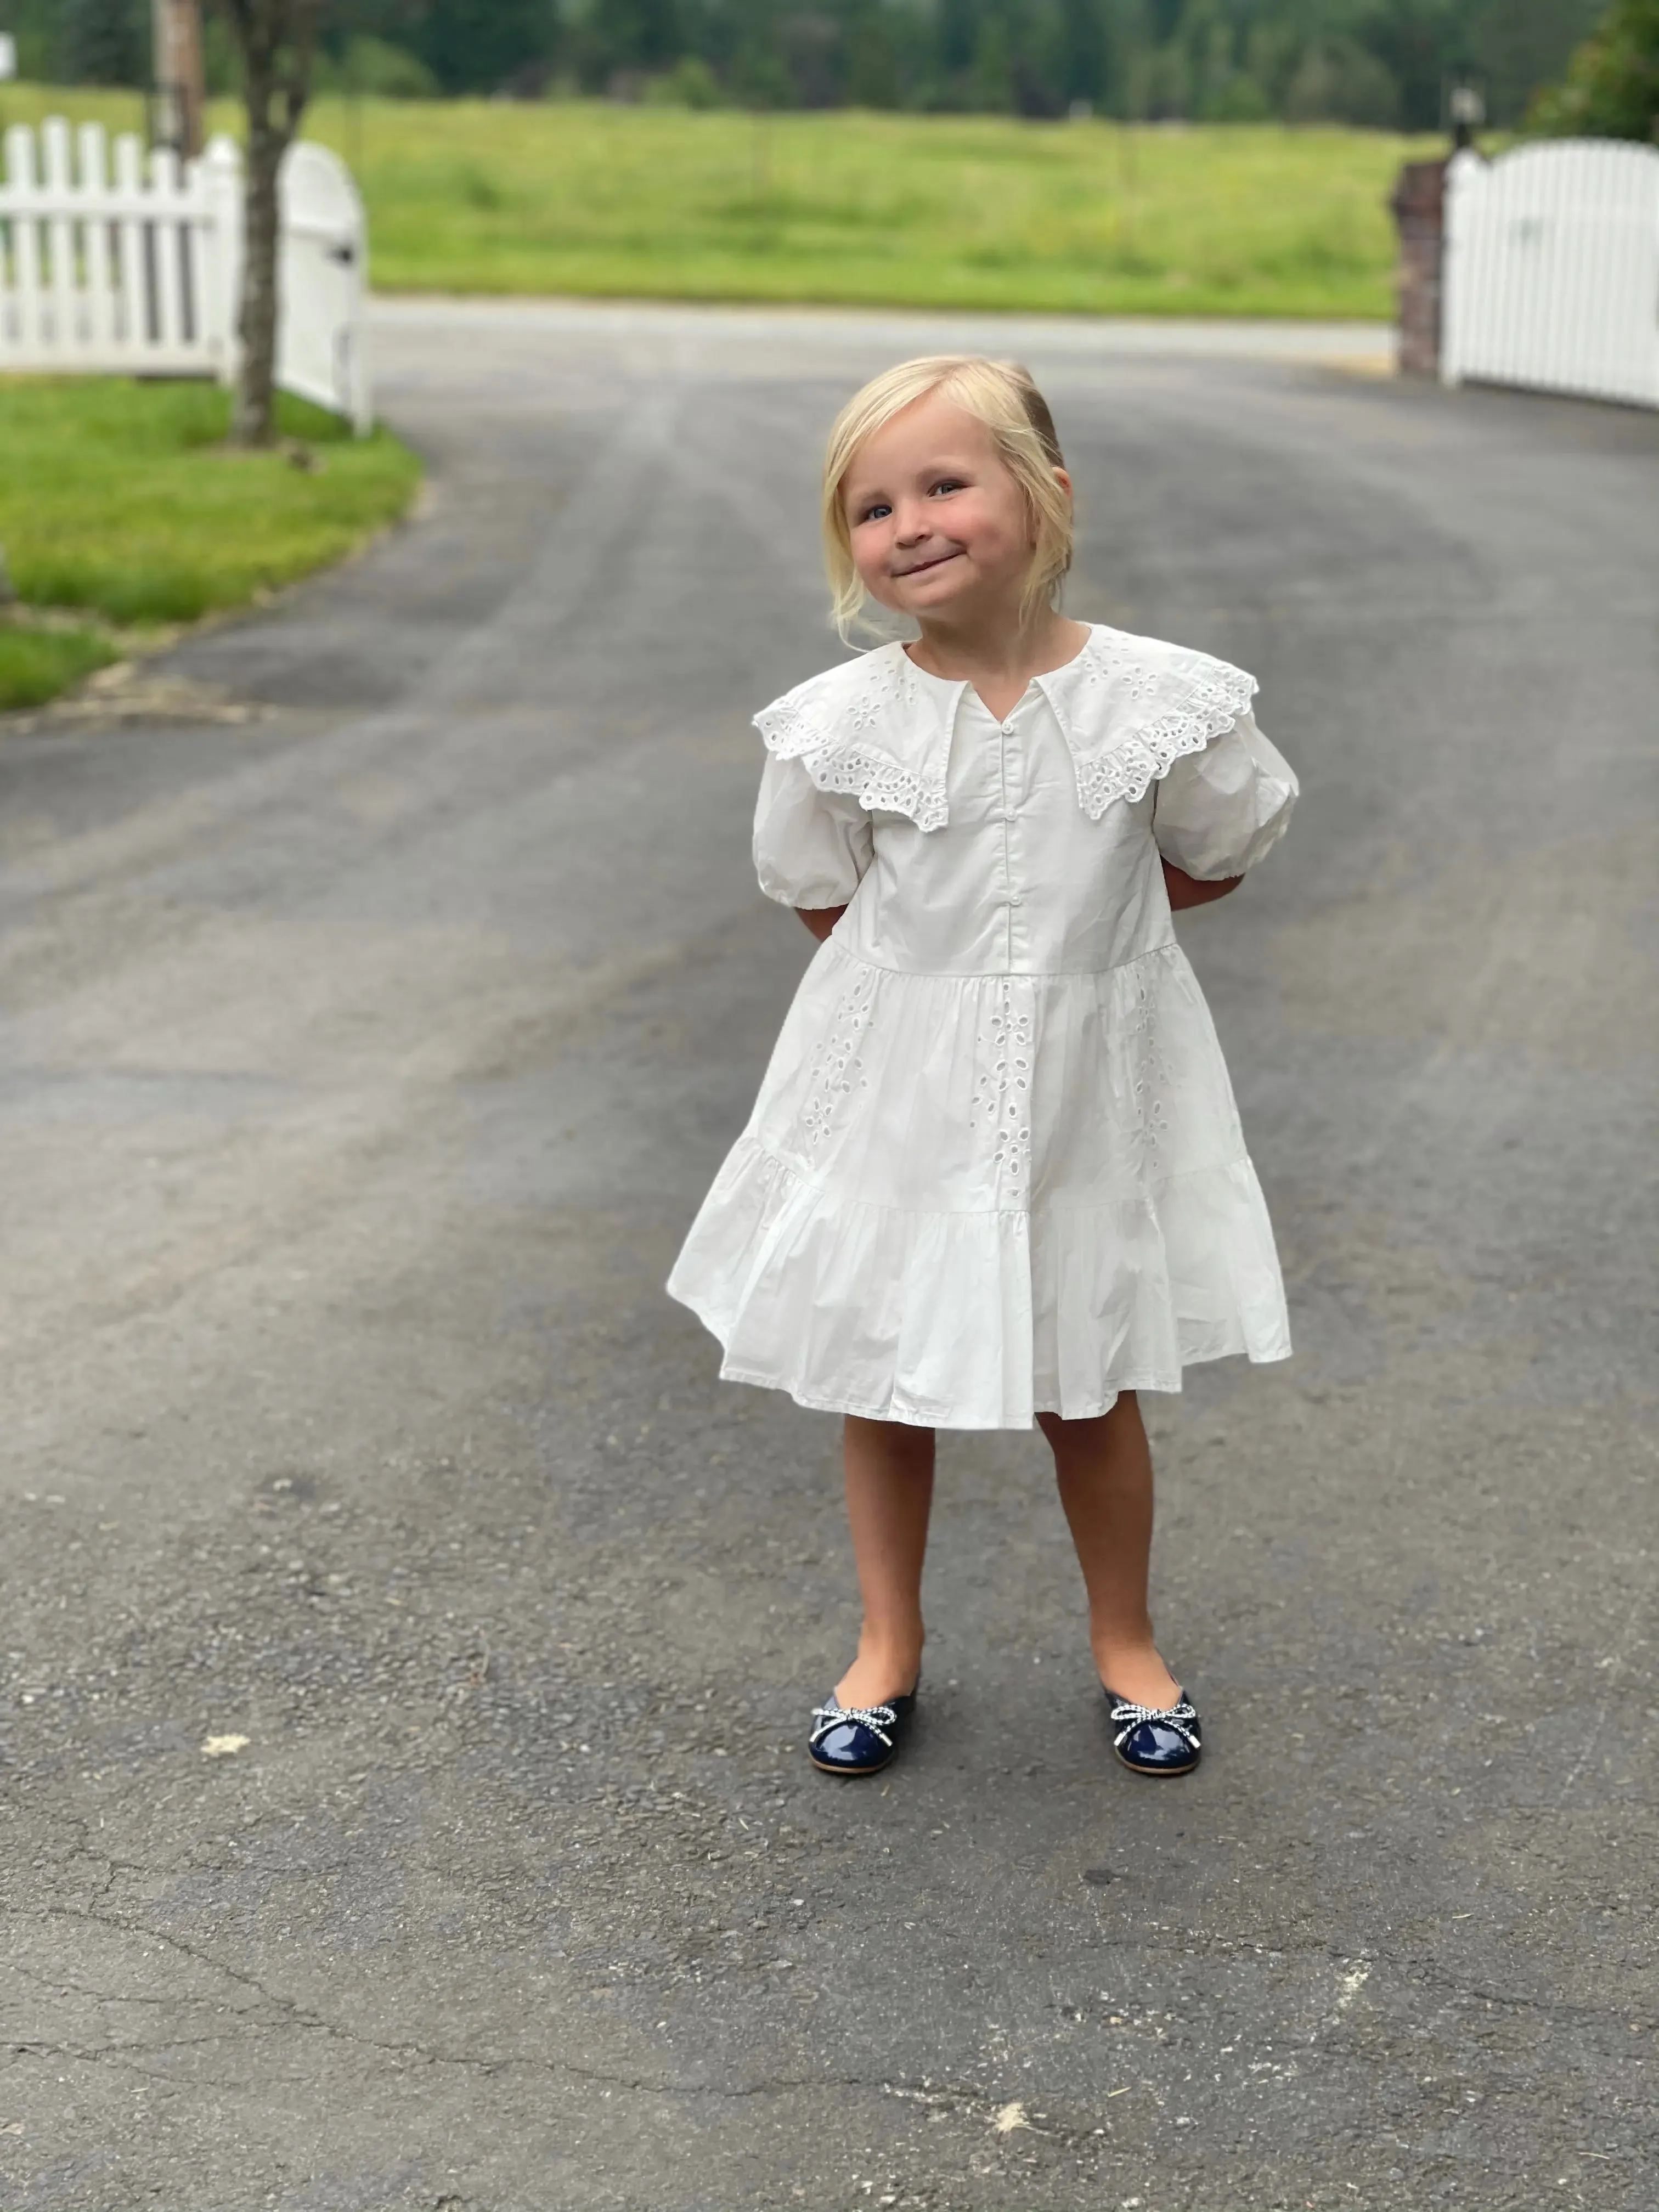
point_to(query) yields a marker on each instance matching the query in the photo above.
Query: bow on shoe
(1182, 1717)
(877, 1718)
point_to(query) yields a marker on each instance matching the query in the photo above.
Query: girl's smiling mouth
(920, 568)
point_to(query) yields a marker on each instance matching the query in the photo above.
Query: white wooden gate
(320, 344)
(136, 266)
(1551, 271)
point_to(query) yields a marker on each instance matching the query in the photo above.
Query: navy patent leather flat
(1155, 1739)
(856, 1740)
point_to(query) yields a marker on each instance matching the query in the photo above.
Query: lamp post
(1467, 109)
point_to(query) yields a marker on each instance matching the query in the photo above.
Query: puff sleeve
(811, 846)
(1218, 812)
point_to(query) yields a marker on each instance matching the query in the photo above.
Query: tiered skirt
(964, 1200)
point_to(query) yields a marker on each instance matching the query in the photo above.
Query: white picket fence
(1552, 270)
(134, 266)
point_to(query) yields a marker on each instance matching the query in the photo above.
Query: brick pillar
(1419, 205)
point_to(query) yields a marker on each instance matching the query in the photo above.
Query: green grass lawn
(37, 664)
(119, 500)
(964, 212)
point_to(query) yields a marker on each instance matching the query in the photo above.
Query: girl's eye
(948, 484)
(874, 512)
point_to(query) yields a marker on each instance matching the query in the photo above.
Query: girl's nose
(910, 525)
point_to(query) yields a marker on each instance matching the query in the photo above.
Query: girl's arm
(1184, 889)
(811, 846)
(1216, 813)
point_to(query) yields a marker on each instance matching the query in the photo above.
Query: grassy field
(965, 212)
(120, 504)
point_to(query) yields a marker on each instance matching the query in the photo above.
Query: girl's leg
(1105, 1475)
(890, 1489)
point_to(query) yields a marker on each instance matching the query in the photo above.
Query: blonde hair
(1001, 394)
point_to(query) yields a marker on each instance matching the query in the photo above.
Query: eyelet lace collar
(879, 728)
(876, 728)
(1130, 706)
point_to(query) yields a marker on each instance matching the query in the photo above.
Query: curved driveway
(362, 1064)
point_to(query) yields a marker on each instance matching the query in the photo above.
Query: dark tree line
(1385, 62)
(1611, 89)
(1382, 61)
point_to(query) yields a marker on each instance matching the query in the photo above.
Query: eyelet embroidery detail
(826, 736)
(1001, 1103)
(1125, 767)
(1106, 700)
(1149, 1076)
(836, 1067)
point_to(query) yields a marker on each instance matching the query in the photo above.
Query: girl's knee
(1093, 1430)
(1098, 1436)
(898, 1442)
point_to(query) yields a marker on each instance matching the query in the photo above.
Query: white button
(1014, 899)
(1007, 729)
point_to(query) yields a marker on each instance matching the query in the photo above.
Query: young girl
(995, 1171)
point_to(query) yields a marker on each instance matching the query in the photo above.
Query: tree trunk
(276, 39)
(255, 421)
(177, 38)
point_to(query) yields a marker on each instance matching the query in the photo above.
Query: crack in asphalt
(290, 2012)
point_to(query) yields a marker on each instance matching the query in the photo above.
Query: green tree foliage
(1384, 62)
(486, 46)
(37, 25)
(103, 42)
(1611, 89)
(376, 68)
(1381, 63)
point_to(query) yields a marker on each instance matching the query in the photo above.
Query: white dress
(995, 1168)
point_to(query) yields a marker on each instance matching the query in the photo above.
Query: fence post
(95, 243)
(59, 188)
(1418, 204)
(25, 240)
(136, 308)
(221, 173)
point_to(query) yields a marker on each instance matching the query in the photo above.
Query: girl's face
(939, 527)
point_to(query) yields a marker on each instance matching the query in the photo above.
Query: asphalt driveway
(407, 1640)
